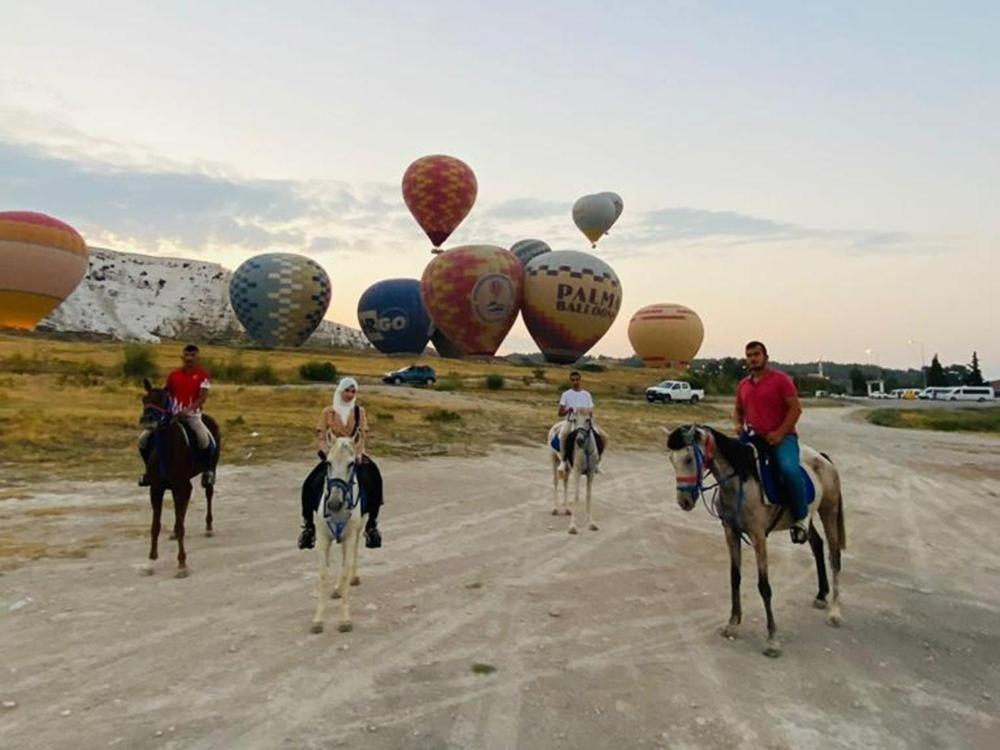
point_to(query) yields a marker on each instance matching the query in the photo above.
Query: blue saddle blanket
(555, 442)
(770, 477)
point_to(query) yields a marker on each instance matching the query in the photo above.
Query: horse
(340, 508)
(171, 463)
(697, 451)
(583, 457)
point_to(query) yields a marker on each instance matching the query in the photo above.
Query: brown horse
(173, 459)
(697, 452)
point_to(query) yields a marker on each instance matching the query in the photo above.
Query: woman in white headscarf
(345, 417)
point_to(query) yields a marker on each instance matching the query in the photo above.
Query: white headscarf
(341, 408)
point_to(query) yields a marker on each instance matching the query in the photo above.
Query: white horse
(340, 506)
(583, 458)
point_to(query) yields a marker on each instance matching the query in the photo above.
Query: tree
(935, 373)
(975, 376)
(859, 384)
(955, 374)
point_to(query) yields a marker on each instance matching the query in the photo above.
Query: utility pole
(923, 367)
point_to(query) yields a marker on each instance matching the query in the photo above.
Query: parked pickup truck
(674, 390)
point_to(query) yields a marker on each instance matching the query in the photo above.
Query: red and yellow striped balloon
(473, 294)
(666, 335)
(41, 262)
(439, 191)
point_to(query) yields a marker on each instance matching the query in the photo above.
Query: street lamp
(923, 368)
(871, 352)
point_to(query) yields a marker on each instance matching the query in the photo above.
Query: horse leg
(830, 527)
(323, 556)
(156, 500)
(735, 578)
(773, 647)
(816, 543)
(555, 486)
(590, 516)
(209, 493)
(576, 499)
(347, 555)
(182, 495)
(566, 511)
(355, 578)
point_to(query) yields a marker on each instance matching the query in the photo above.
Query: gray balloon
(617, 200)
(526, 250)
(594, 215)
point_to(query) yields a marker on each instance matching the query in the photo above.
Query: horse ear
(147, 385)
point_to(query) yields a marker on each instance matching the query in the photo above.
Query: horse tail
(826, 456)
(841, 532)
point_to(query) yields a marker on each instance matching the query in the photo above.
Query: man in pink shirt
(767, 402)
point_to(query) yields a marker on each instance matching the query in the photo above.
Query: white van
(978, 393)
(934, 392)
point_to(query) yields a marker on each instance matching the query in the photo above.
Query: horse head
(582, 424)
(340, 472)
(155, 406)
(692, 451)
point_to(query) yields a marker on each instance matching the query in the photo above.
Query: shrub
(494, 381)
(137, 361)
(443, 416)
(325, 372)
(539, 374)
(592, 367)
(263, 374)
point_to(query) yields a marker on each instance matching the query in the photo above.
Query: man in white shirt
(573, 400)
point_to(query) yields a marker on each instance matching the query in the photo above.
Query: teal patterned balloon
(280, 298)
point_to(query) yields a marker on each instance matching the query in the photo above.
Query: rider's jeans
(786, 454)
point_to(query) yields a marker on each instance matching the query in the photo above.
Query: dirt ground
(604, 640)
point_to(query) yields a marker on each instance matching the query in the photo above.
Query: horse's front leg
(590, 516)
(322, 587)
(773, 647)
(555, 486)
(735, 553)
(348, 547)
(576, 499)
(156, 500)
(181, 495)
(209, 494)
(355, 578)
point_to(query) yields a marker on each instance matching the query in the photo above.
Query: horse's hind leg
(323, 555)
(773, 647)
(181, 497)
(156, 500)
(590, 516)
(355, 578)
(735, 577)
(576, 502)
(348, 546)
(828, 514)
(816, 543)
(555, 486)
(209, 493)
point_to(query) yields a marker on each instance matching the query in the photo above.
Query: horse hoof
(819, 603)
(182, 573)
(567, 512)
(146, 570)
(555, 511)
(173, 537)
(209, 532)
(833, 619)
(317, 627)
(772, 651)
(572, 530)
(335, 594)
(593, 526)
(345, 627)
(730, 632)
(356, 581)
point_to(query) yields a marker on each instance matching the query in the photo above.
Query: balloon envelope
(525, 250)
(473, 294)
(570, 301)
(594, 215)
(616, 201)
(439, 191)
(443, 346)
(393, 318)
(42, 260)
(280, 298)
(666, 335)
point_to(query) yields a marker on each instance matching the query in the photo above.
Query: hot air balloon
(393, 318)
(615, 199)
(439, 191)
(280, 298)
(570, 301)
(41, 262)
(666, 335)
(594, 215)
(443, 346)
(473, 294)
(525, 250)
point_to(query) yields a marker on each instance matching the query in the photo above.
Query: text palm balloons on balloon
(439, 191)
(473, 294)
(594, 215)
(526, 250)
(393, 317)
(666, 335)
(570, 301)
(280, 298)
(42, 260)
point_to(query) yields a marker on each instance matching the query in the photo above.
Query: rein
(337, 515)
(695, 484)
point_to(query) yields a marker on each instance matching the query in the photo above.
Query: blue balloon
(393, 317)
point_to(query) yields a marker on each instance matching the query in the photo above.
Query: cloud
(526, 209)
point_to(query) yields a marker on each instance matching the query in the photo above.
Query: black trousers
(369, 484)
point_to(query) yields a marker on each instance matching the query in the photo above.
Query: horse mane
(737, 454)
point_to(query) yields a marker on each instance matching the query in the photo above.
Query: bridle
(694, 484)
(337, 513)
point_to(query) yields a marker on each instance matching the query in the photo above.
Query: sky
(826, 179)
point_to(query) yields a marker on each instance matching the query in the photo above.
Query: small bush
(324, 372)
(448, 385)
(592, 367)
(235, 421)
(494, 381)
(527, 379)
(385, 416)
(539, 374)
(263, 374)
(137, 361)
(442, 416)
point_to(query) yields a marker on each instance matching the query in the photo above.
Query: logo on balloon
(587, 301)
(493, 297)
(375, 326)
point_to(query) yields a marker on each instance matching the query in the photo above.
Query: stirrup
(307, 537)
(144, 481)
(373, 539)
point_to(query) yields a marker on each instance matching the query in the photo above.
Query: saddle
(770, 476)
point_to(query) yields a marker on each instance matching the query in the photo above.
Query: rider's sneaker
(144, 480)
(307, 537)
(373, 539)
(207, 478)
(800, 531)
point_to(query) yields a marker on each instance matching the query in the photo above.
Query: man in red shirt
(767, 401)
(188, 388)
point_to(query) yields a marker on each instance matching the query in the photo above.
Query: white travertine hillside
(136, 297)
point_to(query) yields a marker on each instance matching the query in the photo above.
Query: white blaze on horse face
(685, 467)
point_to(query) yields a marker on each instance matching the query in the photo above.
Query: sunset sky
(827, 180)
